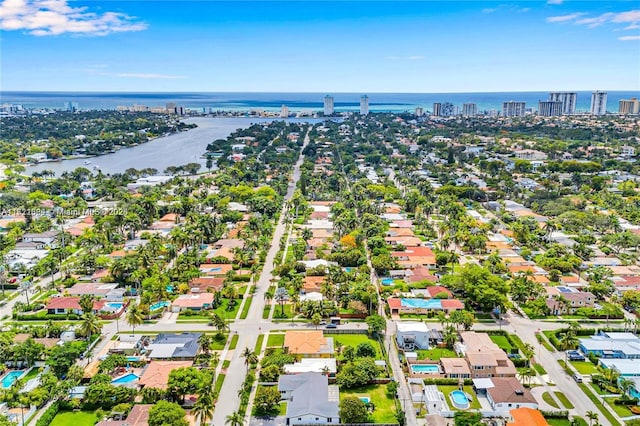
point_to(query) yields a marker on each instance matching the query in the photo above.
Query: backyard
(584, 367)
(75, 418)
(275, 340)
(385, 408)
(436, 353)
(447, 389)
(354, 340)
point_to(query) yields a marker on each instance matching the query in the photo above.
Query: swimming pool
(422, 303)
(127, 378)
(10, 378)
(133, 358)
(424, 369)
(115, 305)
(364, 399)
(158, 305)
(460, 399)
(386, 281)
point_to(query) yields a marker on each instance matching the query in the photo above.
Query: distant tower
(469, 109)
(419, 111)
(328, 105)
(629, 106)
(71, 106)
(513, 109)
(568, 99)
(171, 107)
(550, 108)
(437, 109)
(364, 105)
(284, 111)
(599, 103)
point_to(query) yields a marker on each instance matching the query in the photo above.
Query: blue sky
(319, 46)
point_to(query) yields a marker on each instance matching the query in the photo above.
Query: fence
(345, 331)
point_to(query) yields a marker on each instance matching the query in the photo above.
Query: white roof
(163, 350)
(432, 394)
(483, 383)
(626, 367)
(313, 296)
(312, 365)
(411, 326)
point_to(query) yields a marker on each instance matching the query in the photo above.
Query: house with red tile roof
(413, 257)
(71, 305)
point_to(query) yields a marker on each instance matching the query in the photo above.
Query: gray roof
(183, 345)
(310, 395)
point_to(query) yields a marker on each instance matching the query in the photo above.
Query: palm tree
(528, 350)
(281, 296)
(567, 341)
(134, 316)
(90, 325)
(592, 416)
(203, 408)
(626, 385)
(86, 303)
(250, 357)
(205, 344)
(219, 323)
(234, 419)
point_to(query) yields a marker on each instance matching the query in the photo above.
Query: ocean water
(378, 102)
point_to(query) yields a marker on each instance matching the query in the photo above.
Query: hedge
(47, 417)
(467, 382)
(556, 414)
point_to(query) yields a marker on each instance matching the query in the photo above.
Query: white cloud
(564, 18)
(55, 17)
(629, 38)
(631, 17)
(507, 8)
(555, 1)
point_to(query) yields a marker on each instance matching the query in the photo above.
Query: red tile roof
(72, 303)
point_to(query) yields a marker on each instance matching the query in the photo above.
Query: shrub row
(48, 416)
(555, 414)
(467, 382)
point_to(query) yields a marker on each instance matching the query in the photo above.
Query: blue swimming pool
(127, 378)
(386, 281)
(460, 399)
(115, 305)
(424, 369)
(364, 399)
(133, 358)
(422, 303)
(158, 305)
(10, 378)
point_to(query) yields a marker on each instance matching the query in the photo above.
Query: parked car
(577, 377)
(575, 356)
(331, 325)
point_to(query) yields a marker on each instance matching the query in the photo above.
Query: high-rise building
(437, 109)
(469, 109)
(599, 103)
(550, 108)
(284, 111)
(568, 99)
(629, 106)
(419, 111)
(364, 105)
(171, 107)
(71, 106)
(513, 109)
(328, 105)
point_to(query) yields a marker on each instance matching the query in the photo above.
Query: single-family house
(525, 416)
(423, 306)
(206, 284)
(308, 343)
(484, 357)
(310, 399)
(156, 373)
(411, 335)
(138, 416)
(71, 305)
(47, 238)
(508, 393)
(108, 291)
(193, 302)
(455, 368)
(415, 256)
(612, 345)
(312, 365)
(570, 302)
(168, 346)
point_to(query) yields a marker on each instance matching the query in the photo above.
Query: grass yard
(354, 340)
(620, 410)
(596, 402)
(546, 397)
(288, 311)
(436, 354)
(31, 374)
(584, 367)
(219, 382)
(447, 389)
(275, 340)
(559, 422)
(564, 400)
(227, 314)
(502, 342)
(539, 369)
(385, 408)
(75, 418)
(245, 308)
(218, 344)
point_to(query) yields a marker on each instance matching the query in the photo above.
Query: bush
(466, 382)
(560, 414)
(48, 416)
(624, 400)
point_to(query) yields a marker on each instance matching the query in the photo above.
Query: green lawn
(447, 389)
(275, 340)
(75, 418)
(385, 408)
(234, 342)
(564, 400)
(288, 311)
(596, 402)
(584, 367)
(31, 374)
(621, 410)
(354, 340)
(227, 314)
(502, 342)
(539, 369)
(283, 409)
(436, 354)
(219, 382)
(258, 346)
(546, 397)
(559, 422)
(266, 311)
(245, 308)
(218, 345)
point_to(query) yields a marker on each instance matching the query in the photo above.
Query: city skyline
(367, 47)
